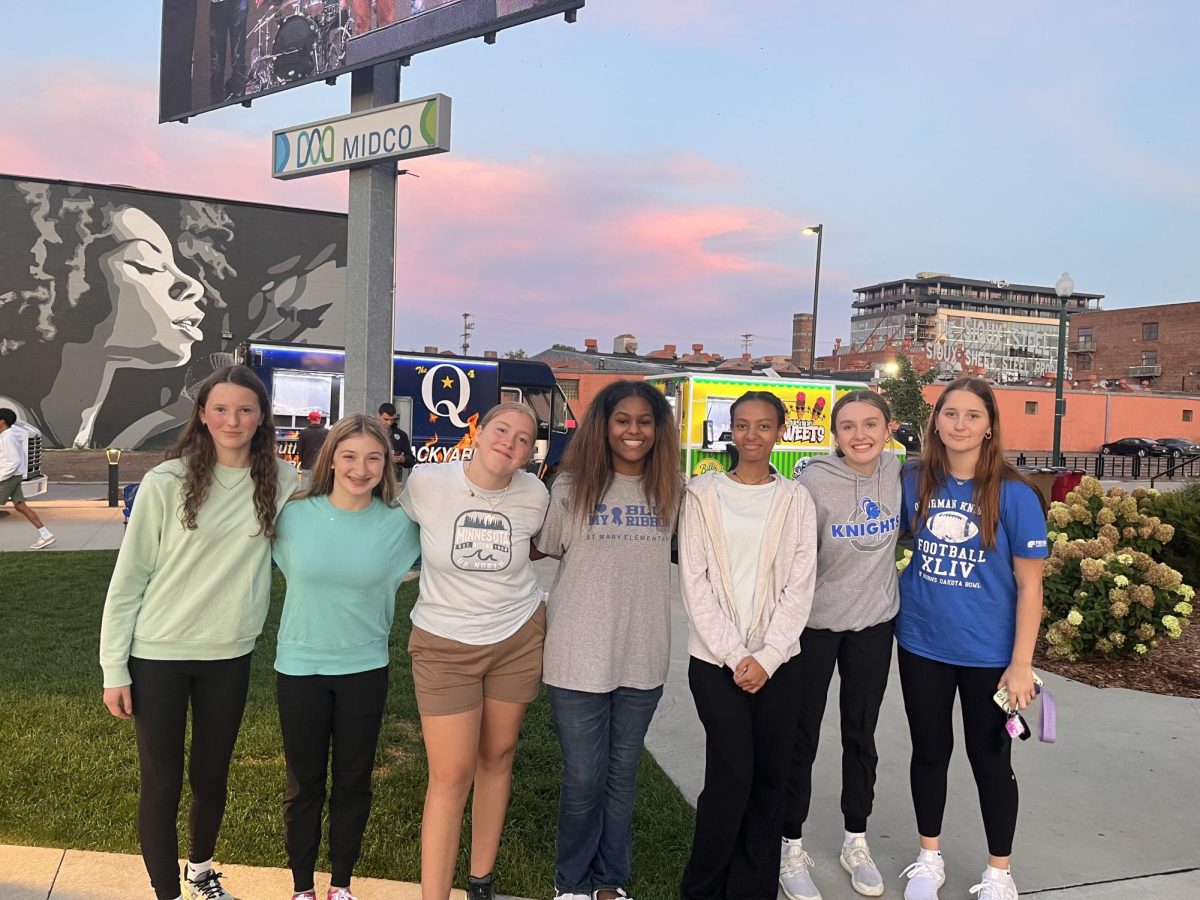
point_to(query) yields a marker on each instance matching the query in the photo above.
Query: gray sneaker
(864, 875)
(794, 879)
(207, 886)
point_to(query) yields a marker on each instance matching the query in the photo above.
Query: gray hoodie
(858, 520)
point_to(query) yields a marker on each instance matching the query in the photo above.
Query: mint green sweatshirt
(179, 593)
(342, 568)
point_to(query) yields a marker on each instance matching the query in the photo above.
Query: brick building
(1159, 345)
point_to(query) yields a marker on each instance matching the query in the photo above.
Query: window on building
(570, 387)
(1084, 364)
(1085, 336)
(1031, 407)
(1149, 357)
(1149, 331)
(1187, 415)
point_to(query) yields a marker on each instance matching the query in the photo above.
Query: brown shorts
(451, 677)
(10, 489)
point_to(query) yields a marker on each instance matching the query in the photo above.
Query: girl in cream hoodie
(747, 568)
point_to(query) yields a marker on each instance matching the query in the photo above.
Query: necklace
(229, 487)
(741, 480)
(493, 503)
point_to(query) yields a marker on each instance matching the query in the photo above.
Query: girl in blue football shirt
(970, 607)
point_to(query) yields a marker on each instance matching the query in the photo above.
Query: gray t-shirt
(608, 619)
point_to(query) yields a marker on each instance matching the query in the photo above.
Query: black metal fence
(1185, 468)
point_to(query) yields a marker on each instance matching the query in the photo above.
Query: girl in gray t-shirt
(611, 517)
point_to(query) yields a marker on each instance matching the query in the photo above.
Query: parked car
(1177, 447)
(1133, 446)
(909, 437)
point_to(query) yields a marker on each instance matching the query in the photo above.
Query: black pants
(227, 26)
(863, 659)
(739, 814)
(316, 711)
(929, 688)
(162, 690)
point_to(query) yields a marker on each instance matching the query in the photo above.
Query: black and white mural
(115, 303)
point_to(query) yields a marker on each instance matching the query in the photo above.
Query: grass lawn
(68, 770)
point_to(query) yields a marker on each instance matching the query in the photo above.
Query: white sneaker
(42, 542)
(796, 883)
(996, 888)
(925, 876)
(864, 875)
(207, 886)
(596, 894)
(567, 895)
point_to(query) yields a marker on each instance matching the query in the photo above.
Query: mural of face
(156, 305)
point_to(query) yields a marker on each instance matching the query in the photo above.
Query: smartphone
(1001, 696)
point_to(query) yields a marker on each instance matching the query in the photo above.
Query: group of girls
(782, 580)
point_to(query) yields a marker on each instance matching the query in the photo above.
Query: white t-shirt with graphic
(477, 583)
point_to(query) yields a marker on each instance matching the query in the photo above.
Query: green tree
(562, 347)
(515, 354)
(903, 392)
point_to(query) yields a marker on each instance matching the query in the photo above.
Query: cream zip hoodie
(783, 591)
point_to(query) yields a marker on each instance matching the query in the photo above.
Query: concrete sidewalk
(1110, 810)
(35, 873)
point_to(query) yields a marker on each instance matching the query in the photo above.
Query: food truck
(439, 399)
(702, 403)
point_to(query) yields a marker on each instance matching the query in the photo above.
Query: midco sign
(400, 131)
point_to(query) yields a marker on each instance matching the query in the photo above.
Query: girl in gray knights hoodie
(857, 498)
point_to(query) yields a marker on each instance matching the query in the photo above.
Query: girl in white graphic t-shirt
(476, 643)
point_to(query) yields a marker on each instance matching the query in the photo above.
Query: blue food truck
(439, 399)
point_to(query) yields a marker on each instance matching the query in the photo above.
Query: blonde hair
(512, 406)
(352, 426)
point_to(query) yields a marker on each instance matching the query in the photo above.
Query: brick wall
(1117, 335)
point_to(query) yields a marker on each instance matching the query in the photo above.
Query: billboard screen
(219, 52)
(115, 304)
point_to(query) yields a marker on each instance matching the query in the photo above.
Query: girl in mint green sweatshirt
(185, 605)
(344, 548)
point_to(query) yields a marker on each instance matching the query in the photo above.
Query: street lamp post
(1064, 287)
(819, 231)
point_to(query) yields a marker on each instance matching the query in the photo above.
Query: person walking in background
(186, 604)
(608, 638)
(747, 564)
(970, 608)
(344, 548)
(476, 644)
(14, 467)
(309, 445)
(857, 496)
(402, 452)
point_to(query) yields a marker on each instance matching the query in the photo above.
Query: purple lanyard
(1047, 718)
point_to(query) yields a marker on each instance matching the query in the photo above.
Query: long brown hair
(991, 470)
(195, 447)
(588, 459)
(353, 426)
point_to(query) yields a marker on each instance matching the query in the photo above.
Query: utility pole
(468, 327)
(747, 340)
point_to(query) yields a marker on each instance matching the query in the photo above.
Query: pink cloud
(539, 249)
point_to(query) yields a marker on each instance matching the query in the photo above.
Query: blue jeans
(601, 737)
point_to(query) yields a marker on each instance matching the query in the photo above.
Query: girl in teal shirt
(344, 549)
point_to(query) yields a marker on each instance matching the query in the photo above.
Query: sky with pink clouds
(650, 168)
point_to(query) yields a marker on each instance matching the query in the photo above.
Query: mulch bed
(67, 466)
(1172, 668)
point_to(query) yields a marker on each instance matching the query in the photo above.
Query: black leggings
(863, 659)
(929, 688)
(162, 691)
(748, 741)
(316, 711)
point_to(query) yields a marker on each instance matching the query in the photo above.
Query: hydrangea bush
(1105, 591)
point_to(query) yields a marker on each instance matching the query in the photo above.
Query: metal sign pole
(371, 256)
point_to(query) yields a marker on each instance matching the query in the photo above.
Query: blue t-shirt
(958, 601)
(342, 569)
